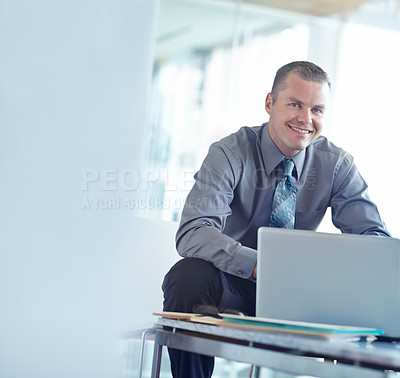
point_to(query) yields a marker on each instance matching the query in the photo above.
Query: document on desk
(318, 330)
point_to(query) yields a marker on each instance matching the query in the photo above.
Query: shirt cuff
(243, 262)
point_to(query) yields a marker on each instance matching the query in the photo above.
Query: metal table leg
(142, 346)
(155, 370)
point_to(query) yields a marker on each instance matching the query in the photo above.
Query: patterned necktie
(284, 204)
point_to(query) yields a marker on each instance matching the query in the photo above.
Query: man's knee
(191, 281)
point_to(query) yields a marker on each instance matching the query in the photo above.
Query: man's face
(296, 116)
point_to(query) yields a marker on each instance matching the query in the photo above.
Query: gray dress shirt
(234, 188)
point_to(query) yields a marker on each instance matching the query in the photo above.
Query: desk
(279, 352)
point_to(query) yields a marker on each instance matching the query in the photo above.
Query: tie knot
(288, 166)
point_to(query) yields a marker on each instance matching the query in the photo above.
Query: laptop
(329, 278)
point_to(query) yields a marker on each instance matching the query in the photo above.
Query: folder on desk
(299, 328)
(319, 330)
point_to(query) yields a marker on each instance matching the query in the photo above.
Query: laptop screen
(329, 278)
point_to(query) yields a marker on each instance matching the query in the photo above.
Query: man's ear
(268, 103)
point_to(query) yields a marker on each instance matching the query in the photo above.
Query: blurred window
(214, 65)
(215, 62)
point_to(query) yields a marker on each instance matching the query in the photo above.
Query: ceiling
(190, 25)
(199, 25)
(312, 7)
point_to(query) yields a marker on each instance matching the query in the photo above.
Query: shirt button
(240, 273)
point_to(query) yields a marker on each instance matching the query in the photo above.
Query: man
(236, 192)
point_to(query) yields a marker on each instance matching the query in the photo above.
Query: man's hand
(254, 274)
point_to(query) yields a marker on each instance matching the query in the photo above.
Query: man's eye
(317, 111)
(294, 105)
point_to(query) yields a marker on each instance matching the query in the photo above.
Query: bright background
(107, 109)
(209, 84)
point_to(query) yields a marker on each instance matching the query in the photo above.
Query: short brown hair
(306, 70)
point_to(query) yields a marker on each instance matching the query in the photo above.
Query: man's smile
(303, 131)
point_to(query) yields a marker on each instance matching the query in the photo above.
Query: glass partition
(215, 62)
(214, 65)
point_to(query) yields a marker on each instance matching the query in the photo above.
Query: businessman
(280, 174)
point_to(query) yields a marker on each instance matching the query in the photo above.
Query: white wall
(74, 76)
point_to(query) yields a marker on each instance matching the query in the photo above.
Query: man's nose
(305, 116)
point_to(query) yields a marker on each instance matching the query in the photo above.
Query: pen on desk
(387, 339)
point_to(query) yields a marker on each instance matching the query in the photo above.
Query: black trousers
(194, 281)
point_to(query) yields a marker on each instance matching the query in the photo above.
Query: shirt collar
(272, 156)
